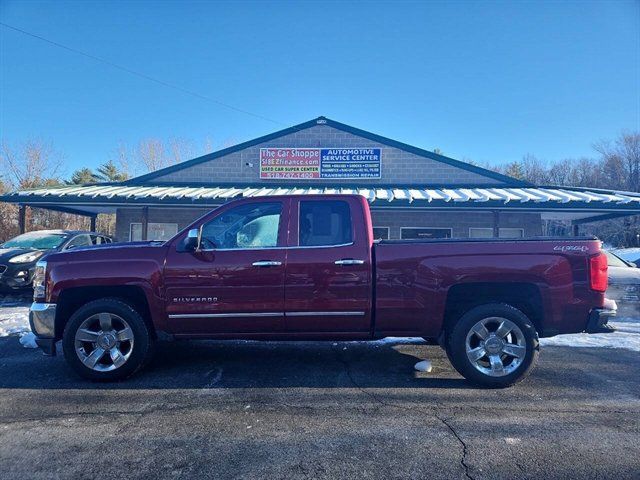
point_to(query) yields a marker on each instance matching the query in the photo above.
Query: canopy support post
(496, 224)
(22, 218)
(145, 222)
(93, 222)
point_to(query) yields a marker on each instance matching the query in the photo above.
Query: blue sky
(488, 81)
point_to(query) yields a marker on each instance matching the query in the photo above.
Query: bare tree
(8, 217)
(152, 155)
(621, 159)
(32, 165)
(535, 170)
(208, 144)
(560, 172)
(121, 157)
(180, 150)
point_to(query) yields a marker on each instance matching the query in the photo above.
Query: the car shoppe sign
(318, 163)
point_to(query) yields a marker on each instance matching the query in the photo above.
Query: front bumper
(599, 318)
(42, 318)
(16, 277)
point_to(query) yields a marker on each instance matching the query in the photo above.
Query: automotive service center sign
(319, 163)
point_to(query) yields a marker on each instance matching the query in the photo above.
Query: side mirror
(633, 264)
(192, 241)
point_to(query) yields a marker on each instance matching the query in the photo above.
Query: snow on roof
(186, 194)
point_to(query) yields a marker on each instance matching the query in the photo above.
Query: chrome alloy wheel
(495, 346)
(104, 342)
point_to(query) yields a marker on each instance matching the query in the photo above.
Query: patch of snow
(626, 336)
(28, 340)
(423, 366)
(14, 320)
(400, 340)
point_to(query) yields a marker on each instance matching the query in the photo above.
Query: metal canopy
(563, 202)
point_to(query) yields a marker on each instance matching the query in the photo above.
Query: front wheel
(106, 339)
(494, 345)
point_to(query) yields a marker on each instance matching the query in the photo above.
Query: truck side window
(253, 225)
(324, 223)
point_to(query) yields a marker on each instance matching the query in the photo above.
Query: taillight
(598, 272)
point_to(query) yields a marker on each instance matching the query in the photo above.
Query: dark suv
(19, 255)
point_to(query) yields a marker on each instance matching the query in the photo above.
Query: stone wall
(398, 166)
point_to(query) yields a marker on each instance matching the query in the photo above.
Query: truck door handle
(266, 263)
(349, 261)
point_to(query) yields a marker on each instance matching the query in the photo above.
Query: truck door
(328, 274)
(235, 282)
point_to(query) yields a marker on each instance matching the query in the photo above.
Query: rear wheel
(106, 340)
(494, 345)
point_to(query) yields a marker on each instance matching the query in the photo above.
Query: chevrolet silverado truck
(306, 267)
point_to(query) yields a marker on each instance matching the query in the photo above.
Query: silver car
(624, 285)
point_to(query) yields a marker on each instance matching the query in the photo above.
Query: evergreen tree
(108, 172)
(82, 176)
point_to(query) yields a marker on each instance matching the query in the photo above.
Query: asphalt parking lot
(318, 410)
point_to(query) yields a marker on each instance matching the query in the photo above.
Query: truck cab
(232, 279)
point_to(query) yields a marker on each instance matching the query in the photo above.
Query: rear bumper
(599, 318)
(42, 319)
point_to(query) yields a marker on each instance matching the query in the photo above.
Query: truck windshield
(36, 240)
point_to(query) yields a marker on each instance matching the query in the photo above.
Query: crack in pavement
(463, 460)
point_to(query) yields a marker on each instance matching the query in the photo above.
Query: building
(413, 193)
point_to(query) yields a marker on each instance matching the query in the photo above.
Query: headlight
(39, 280)
(26, 257)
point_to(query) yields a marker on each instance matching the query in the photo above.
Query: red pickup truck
(306, 267)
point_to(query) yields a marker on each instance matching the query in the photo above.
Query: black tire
(141, 349)
(457, 352)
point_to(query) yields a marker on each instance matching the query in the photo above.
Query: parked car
(624, 284)
(631, 255)
(306, 267)
(19, 255)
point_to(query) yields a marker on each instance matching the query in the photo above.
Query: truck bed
(415, 278)
(486, 240)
